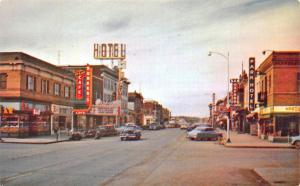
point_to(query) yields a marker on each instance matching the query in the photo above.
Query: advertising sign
(109, 51)
(234, 92)
(89, 78)
(251, 83)
(79, 74)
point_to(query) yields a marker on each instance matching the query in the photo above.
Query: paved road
(163, 157)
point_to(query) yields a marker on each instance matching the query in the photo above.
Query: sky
(167, 40)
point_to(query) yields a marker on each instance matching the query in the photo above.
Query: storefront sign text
(251, 84)
(110, 51)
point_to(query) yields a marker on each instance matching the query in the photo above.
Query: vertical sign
(89, 77)
(79, 74)
(251, 83)
(234, 92)
(79, 87)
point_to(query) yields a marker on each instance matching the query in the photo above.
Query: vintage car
(107, 130)
(76, 135)
(130, 132)
(203, 133)
(296, 141)
(154, 126)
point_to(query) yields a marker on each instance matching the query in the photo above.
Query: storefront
(23, 119)
(280, 121)
(61, 118)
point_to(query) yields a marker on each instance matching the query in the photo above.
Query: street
(163, 157)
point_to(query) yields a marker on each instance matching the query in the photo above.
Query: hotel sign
(251, 83)
(110, 51)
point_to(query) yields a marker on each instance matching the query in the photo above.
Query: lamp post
(227, 105)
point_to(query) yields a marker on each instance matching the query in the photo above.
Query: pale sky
(167, 40)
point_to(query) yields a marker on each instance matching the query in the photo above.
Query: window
(3, 80)
(67, 92)
(56, 89)
(298, 81)
(270, 81)
(45, 87)
(31, 83)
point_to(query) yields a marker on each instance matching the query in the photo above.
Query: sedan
(296, 141)
(130, 133)
(203, 133)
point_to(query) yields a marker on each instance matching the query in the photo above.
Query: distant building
(135, 105)
(35, 95)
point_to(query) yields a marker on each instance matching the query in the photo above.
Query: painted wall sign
(110, 51)
(251, 83)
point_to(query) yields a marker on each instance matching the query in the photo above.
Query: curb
(261, 178)
(255, 146)
(36, 143)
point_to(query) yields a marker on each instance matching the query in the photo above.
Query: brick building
(135, 100)
(279, 95)
(34, 94)
(96, 93)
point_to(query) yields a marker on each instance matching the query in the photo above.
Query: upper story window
(67, 92)
(45, 87)
(31, 83)
(56, 89)
(3, 80)
(298, 81)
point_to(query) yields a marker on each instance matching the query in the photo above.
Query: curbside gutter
(36, 143)
(258, 146)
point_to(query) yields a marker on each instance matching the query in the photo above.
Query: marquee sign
(251, 83)
(110, 51)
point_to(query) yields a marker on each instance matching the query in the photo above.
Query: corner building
(279, 95)
(35, 96)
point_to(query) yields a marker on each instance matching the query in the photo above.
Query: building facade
(279, 95)
(135, 103)
(35, 96)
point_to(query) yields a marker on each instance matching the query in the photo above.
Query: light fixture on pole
(227, 105)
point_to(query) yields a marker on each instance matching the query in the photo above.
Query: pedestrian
(56, 133)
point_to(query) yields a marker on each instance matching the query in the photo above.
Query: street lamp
(227, 105)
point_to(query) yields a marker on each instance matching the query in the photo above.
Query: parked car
(76, 136)
(130, 132)
(296, 141)
(154, 126)
(203, 133)
(183, 126)
(90, 133)
(107, 130)
(193, 126)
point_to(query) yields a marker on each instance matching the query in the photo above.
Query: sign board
(234, 92)
(79, 74)
(109, 51)
(89, 78)
(280, 109)
(251, 83)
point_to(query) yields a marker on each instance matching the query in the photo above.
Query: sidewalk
(49, 139)
(248, 141)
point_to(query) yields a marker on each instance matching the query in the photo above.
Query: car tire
(122, 139)
(297, 144)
